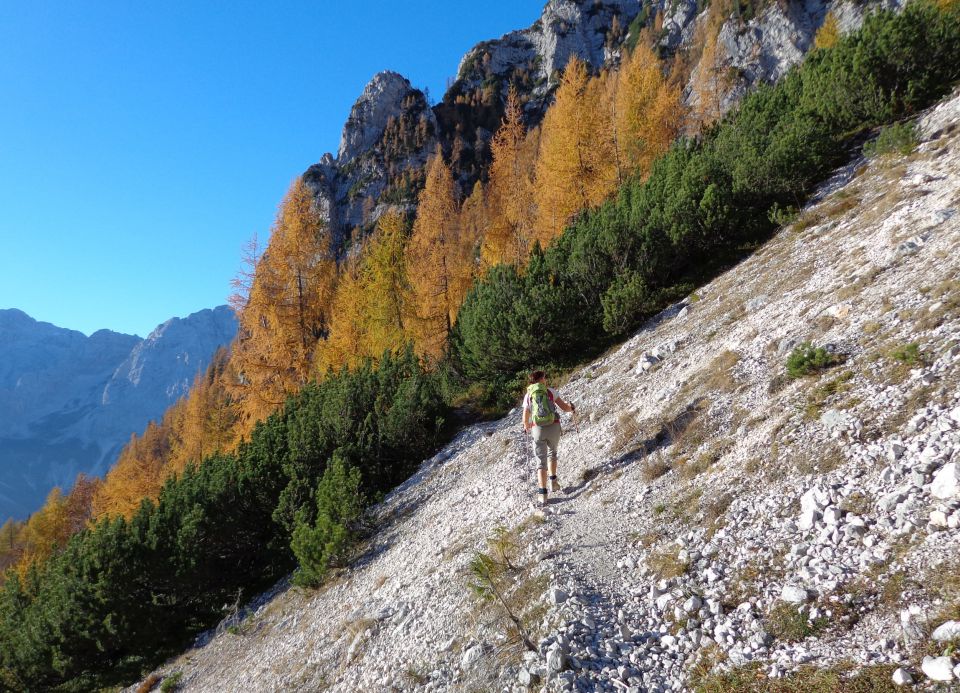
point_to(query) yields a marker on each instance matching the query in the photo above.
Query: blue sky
(141, 144)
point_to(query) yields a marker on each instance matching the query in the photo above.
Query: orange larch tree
(576, 166)
(285, 310)
(648, 111)
(436, 275)
(510, 202)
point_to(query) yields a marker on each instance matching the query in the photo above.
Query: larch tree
(710, 79)
(510, 203)
(285, 309)
(46, 530)
(137, 473)
(648, 112)
(576, 166)
(829, 32)
(346, 335)
(206, 419)
(436, 275)
(385, 286)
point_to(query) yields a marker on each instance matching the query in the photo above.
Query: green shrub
(171, 683)
(126, 594)
(325, 542)
(899, 138)
(909, 355)
(807, 359)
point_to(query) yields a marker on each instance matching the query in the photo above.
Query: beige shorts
(545, 442)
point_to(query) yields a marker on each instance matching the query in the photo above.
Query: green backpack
(541, 405)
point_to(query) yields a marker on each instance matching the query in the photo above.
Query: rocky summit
(69, 402)
(392, 129)
(762, 482)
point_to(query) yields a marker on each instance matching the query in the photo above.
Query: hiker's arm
(526, 420)
(565, 405)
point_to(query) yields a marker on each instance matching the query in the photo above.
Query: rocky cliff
(720, 521)
(392, 130)
(385, 143)
(69, 402)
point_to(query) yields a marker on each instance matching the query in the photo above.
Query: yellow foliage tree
(205, 421)
(50, 528)
(710, 77)
(510, 203)
(438, 278)
(138, 472)
(346, 335)
(648, 110)
(386, 287)
(370, 307)
(576, 167)
(284, 310)
(829, 32)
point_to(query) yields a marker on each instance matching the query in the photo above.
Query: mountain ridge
(70, 402)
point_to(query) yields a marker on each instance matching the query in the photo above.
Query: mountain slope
(708, 496)
(69, 402)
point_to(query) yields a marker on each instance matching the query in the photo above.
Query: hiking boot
(543, 496)
(555, 485)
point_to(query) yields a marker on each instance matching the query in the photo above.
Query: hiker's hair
(537, 376)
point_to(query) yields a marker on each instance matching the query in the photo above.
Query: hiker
(541, 420)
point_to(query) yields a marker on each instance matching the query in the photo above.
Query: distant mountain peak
(69, 402)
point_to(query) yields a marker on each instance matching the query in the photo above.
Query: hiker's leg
(541, 448)
(553, 443)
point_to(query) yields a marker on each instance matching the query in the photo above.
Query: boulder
(808, 519)
(946, 483)
(902, 677)
(937, 668)
(556, 660)
(794, 594)
(558, 596)
(947, 632)
(470, 656)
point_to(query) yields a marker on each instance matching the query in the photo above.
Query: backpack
(542, 411)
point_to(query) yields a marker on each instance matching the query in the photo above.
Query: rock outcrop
(392, 130)
(762, 48)
(69, 402)
(390, 133)
(590, 30)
